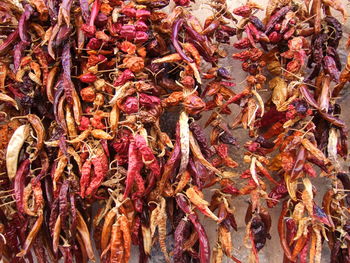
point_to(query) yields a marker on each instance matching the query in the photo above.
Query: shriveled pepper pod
(88, 78)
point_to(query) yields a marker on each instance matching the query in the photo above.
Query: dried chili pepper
(203, 239)
(135, 165)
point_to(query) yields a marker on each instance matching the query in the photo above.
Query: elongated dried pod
(14, 147)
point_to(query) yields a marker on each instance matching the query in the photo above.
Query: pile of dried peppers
(102, 143)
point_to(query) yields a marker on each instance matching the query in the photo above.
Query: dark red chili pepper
(330, 67)
(88, 77)
(49, 188)
(199, 173)
(243, 11)
(124, 77)
(250, 36)
(4, 47)
(174, 39)
(128, 11)
(94, 44)
(198, 133)
(276, 17)
(53, 215)
(234, 99)
(18, 54)
(135, 230)
(63, 203)
(257, 23)
(204, 249)
(331, 51)
(258, 35)
(141, 26)
(134, 166)
(15, 91)
(45, 164)
(66, 75)
(84, 6)
(180, 235)
(259, 232)
(230, 220)
(264, 142)
(275, 37)
(130, 105)
(100, 163)
(242, 43)
(182, 2)
(291, 229)
(128, 32)
(142, 14)
(227, 186)
(39, 249)
(90, 28)
(18, 184)
(23, 23)
(317, 49)
(148, 100)
(278, 192)
(335, 29)
(230, 31)
(147, 155)
(334, 120)
(104, 144)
